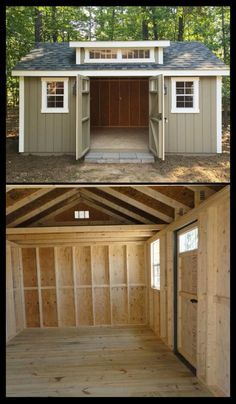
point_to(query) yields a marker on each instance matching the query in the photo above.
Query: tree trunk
(225, 101)
(181, 28)
(144, 23)
(38, 26)
(112, 23)
(154, 24)
(54, 23)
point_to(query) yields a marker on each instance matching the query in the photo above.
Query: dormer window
(102, 54)
(135, 54)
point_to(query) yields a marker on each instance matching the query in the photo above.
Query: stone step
(118, 157)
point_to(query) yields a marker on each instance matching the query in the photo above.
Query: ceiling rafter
(161, 197)
(27, 199)
(42, 208)
(114, 205)
(137, 204)
(107, 211)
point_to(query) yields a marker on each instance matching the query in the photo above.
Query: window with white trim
(135, 54)
(54, 95)
(155, 264)
(102, 54)
(81, 214)
(185, 94)
(188, 240)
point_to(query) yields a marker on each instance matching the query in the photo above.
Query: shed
(118, 291)
(143, 97)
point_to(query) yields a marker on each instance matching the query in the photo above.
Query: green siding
(47, 132)
(192, 133)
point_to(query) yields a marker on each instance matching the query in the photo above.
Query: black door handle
(193, 300)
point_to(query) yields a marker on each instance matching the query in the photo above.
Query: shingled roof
(179, 55)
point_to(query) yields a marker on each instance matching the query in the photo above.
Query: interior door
(156, 116)
(187, 295)
(82, 116)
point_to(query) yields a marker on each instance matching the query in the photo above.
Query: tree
(38, 28)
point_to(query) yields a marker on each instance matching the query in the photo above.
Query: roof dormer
(119, 51)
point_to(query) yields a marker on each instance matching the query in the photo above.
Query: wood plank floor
(96, 362)
(119, 139)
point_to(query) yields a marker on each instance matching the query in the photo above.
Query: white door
(82, 116)
(156, 116)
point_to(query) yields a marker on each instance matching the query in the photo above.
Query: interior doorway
(186, 297)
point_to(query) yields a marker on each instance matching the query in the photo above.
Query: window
(185, 94)
(135, 54)
(54, 95)
(189, 240)
(103, 54)
(155, 264)
(81, 214)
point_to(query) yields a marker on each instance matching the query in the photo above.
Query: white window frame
(44, 108)
(195, 108)
(152, 245)
(119, 58)
(185, 231)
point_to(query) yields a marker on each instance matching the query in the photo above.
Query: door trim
(175, 283)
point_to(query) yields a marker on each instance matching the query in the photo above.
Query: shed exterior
(171, 129)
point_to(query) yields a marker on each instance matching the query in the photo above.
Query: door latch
(193, 300)
(166, 120)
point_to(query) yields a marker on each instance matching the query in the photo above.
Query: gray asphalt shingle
(180, 55)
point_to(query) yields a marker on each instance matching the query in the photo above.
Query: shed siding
(45, 132)
(193, 133)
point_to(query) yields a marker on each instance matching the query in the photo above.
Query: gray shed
(155, 97)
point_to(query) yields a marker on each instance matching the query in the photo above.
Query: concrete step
(118, 157)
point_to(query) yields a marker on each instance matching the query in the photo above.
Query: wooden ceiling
(45, 206)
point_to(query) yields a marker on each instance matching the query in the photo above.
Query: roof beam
(27, 199)
(43, 207)
(161, 197)
(137, 204)
(113, 205)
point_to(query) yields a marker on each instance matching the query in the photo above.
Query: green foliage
(208, 24)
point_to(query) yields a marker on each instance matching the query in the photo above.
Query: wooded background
(26, 25)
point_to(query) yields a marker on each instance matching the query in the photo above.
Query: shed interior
(85, 314)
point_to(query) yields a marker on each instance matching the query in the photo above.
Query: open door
(156, 116)
(82, 116)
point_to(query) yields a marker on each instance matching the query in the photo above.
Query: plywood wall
(14, 300)
(213, 309)
(84, 285)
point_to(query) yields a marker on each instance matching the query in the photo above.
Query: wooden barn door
(156, 116)
(82, 116)
(187, 299)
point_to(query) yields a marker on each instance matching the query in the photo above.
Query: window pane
(188, 241)
(51, 88)
(59, 102)
(180, 84)
(189, 84)
(189, 91)
(180, 91)
(155, 264)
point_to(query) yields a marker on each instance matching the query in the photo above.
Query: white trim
(21, 114)
(78, 56)
(119, 58)
(160, 56)
(219, 114)
(118, 44)
(195, 108)
(44, 108)
(118, 73)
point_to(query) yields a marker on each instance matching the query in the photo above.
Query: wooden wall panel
(88, 285)
(118, 270)
(136, 263)
(32, 308)
(82, 262)
(64, 266)
(102, 312)
(47, 266)
(29, 267)
(85, 306)
(137, 305)
(14, 301)
(119, 305)
(49, 308)
(119, 102)
(66, 307)
(100, 265)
